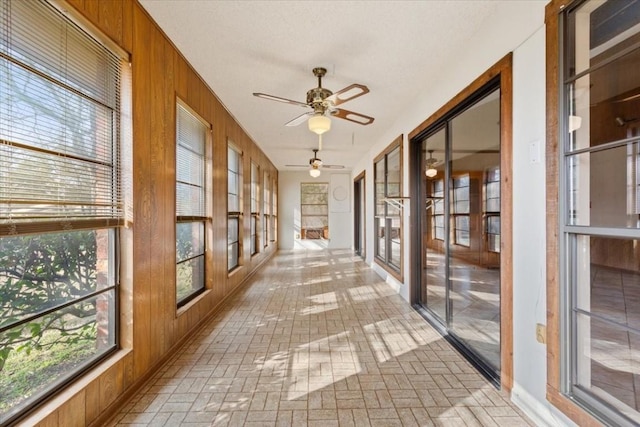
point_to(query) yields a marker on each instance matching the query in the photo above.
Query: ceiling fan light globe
(314, 172)
(319, 124)
(431, 172)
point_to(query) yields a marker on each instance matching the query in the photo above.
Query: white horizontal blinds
(59, 123)
(190, 165)
(233, 165)
(255, 177)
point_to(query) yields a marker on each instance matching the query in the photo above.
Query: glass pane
(189, 240)
(606, 284)
(604, 202)
(607, 279)
(474, 275)
(232, 254)
(40, 272)
(254, 244)
(395, 237)
(599, 29)
(382, 243)
(233, 160)
(438, 225)
(393, 173)
(189, 278)
(462, 230)
(493, 225)
(311, 221)
(232, 229)
(314, 210)
(433, 148)
(379, 171)
(607, 363)
(493, 242)
(602, 105)
(255, 173)
(40, 354)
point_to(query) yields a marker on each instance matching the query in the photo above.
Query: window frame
(203, 220)
(461, 214)
(235, 215)
(107, 227)
(437, 197)
(303, 229)
(383, 219)
(492, 239)
(266, 202)
(255, 208)
(558, 217)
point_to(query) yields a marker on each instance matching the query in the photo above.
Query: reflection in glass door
(460, 189)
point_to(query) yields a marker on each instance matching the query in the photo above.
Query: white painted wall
(529, 229)
(340, 223)
(518, 27)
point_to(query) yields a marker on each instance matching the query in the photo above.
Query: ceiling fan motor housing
(316, 99)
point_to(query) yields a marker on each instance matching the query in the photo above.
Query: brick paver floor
(316, 338)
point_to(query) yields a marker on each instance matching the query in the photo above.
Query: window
(234, 207)
(255, 210)
(266, 221)
(388, 215)
(461, 210)
(61, 202)
(599, 230)
(314, 210)
(191, 216)
(492, 208)
(274, 208)
(438, 209)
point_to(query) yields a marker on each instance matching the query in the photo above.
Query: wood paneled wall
(151, 327)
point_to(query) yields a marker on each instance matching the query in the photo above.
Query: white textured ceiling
(394, 47)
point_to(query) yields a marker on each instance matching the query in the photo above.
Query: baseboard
(541, 413)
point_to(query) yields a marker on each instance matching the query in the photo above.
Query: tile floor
(318, 339)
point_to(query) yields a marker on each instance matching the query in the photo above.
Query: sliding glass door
(459, 186)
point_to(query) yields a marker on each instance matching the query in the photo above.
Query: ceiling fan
(432, 164)
(322, 102)
(315, 164)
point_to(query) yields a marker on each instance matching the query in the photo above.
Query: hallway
(317, 338)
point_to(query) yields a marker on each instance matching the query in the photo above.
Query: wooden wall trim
(463, 94)
(554, 394)
(505, 67)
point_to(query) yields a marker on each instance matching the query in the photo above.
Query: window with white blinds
(255, 209)
(234, 207)
(64, 105)
(191, 213)
(59, 124)
(190, 165)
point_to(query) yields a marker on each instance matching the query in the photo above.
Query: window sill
(396, 273)
(185, 308)
(78, 386)
(236, 270)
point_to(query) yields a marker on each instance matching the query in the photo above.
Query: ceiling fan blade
(332, 167)
(300, 119)
(348, 93)
(297, 166)
(352, 117)
(628, 98)
(277, 98)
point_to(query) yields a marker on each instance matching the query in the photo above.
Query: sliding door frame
(502, 71)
